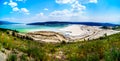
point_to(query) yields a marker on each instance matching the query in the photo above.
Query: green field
(105, 48)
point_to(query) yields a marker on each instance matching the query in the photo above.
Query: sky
(27, 11)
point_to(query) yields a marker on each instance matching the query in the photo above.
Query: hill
(105, 48)
(6, 22)
(66, 23)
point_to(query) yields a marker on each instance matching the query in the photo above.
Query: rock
(2, 56)
(47, 36)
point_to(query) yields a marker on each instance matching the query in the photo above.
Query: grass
(12, 57)
(103, 49)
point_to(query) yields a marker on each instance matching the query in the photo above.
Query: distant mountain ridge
(6, 22)
(66, 23)
(57, 23)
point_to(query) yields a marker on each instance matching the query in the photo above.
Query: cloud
(25, 11)
(93, 1)
(21, 1)
(65, 1)
(15, 9)
(46, 9)
(75, 12)
(67, 15)
(76, 7)
(81, 18)
(12, 4)
(40, 14)
(73, 1)
(63, 13)
(5, 3)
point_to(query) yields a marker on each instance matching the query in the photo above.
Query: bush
(63, 42)
(0, 46)
(23, 58)
(115, 54)
(74, 57)
(92, 57)
(112, 55)
(52, 50)
(12, 57)
(37, 53)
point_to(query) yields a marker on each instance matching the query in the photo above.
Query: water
(23, 28)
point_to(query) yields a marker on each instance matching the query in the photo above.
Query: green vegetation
(106, 48)
(116, 28)
(110, 27)
(12, 57)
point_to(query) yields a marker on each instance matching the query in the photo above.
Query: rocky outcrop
(47, 36)
(41, 36)
(19, 35)
(2, 56)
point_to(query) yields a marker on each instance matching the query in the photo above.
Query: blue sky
(26, 11)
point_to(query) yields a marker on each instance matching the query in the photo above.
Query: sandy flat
(71, 33)
(86, 32)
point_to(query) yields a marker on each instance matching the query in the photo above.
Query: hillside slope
(6, 22)
(105, 48)
(52, 23)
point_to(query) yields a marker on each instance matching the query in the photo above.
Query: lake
(23, 28)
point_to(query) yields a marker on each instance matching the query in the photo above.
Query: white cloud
(21, 0)
(5, 3)
(93, 1)
(60, 15)
(81, 18)
(12, 4)
(40, 14)
(76, 7)
(63, 13)
(105, 18)
(66, 15)
(65, 1)
(75, 12)
(73, 1)
(15, 9)
(46, 9)
(25, 11)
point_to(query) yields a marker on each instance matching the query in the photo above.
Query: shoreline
(71, 33)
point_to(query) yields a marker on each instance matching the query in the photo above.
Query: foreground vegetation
(113, 28)
(116, 28)
(105, 48)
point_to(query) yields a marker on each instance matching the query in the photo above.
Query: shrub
(63, 42)
(115, 54)
(37, 53)
(112, 55)
(0, 46)
(23, 58)
(52, 50)
(76, 58)
(12, 57)
(92, 57)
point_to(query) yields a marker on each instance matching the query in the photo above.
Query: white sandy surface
(86, 32)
